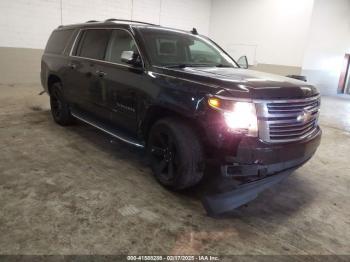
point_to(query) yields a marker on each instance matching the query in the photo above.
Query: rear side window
(58, 41)
(93, 43)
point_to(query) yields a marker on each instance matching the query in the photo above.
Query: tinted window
(202, 53)
(176, 48)
(93, 43)
(120, 41)
(58, 41)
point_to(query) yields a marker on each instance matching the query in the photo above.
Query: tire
(175, 154)
(59, 107)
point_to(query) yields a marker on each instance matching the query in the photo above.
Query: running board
(107, 129)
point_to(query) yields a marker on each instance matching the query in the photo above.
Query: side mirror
(131, 58)
(243, 62)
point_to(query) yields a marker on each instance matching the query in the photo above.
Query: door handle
(101, 73)
(72, 65)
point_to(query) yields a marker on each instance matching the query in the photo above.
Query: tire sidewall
(183, 151)
(64, 117)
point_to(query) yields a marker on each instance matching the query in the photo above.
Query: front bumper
(255, 158)
(221, 203)
(264, 164)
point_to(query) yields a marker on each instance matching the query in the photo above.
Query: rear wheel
(175, 153)
(59, 107)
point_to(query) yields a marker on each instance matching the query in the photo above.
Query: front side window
(120, 41)
(176, 48)
(93, 43)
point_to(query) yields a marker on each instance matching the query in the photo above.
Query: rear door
(89, 52)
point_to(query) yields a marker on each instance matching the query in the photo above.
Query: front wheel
(175, 154)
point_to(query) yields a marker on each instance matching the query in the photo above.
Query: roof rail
(91, 21)
(125, 20)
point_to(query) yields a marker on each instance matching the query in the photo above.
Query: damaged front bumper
(263, 164)
(221, 203)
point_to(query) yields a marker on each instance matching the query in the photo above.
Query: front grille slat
(292, 108)
(294, 105)
(291, 129)
(272, 111)
(291, 121)
(288, 120)
(296, 133)
(290, 115)
(291, 125)
(292, 138)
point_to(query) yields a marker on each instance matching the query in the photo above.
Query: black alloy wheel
(175, 154)
(165, 156)
(56, 103)
(59, 107)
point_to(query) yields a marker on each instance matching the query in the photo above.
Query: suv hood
(243, 83)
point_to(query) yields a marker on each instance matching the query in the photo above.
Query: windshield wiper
(221, 65)
(195, 65)
(177, 66)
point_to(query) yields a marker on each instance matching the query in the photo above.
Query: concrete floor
(72, 191)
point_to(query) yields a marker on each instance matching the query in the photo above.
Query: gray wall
(26, 25)
(22, 66)
(326, 81)
(19, 65)
(329, 41)
(277, 69)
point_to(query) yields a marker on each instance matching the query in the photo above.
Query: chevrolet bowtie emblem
(305, 116)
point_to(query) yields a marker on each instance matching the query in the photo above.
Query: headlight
(239, 116)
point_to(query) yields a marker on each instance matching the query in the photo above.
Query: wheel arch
(51, 80)
(156, 112)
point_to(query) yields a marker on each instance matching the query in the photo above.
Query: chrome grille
(288, 120)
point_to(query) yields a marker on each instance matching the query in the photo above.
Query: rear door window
(93, 43)
(58, 41)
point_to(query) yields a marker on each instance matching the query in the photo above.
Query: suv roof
(109, 22)
(114, 21)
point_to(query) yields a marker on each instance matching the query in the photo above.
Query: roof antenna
(194, 31)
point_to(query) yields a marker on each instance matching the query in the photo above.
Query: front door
(121, 81)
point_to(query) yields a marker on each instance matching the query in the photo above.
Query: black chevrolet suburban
(186, 101)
